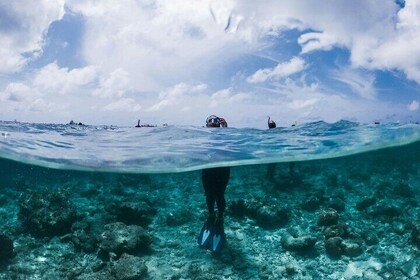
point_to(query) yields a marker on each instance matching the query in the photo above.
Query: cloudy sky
(178, 61)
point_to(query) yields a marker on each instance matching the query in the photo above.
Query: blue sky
(178, 61)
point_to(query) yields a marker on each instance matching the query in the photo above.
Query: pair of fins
(212, 235)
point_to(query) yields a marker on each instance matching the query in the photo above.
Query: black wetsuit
(215, 181)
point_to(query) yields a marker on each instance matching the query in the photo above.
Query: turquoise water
(315, 201)
(178, 149)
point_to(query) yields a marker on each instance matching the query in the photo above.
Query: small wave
(185, 148)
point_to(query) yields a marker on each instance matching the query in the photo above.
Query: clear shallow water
(59, 220)
(177, 149)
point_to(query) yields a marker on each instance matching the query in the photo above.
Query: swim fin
(218, 238)
(206, 234)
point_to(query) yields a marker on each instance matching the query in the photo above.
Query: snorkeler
(271, 123)
(215, 180)
(271, 169)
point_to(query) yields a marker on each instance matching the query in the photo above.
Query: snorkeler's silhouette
(214, 181)
(271, 168)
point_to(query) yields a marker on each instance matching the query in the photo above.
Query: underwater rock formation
(415, 235)
(337, 204)
(6, 248)
(337, 246)
(266, 214)
(300, 243)
(83, 237)
(313, 202)
(129, 267)
(47, 214)
(365, 203)
(327, 217)
(269, 217)
(351, 248)
(177, 218)
(386, 210)
(119, 238)
(133, 212)
(333, 246)
(338, 230)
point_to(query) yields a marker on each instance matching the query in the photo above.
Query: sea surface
(313, 201)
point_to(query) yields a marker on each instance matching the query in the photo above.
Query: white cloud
(176, 95)
(123, 105)
(18, 97)
(16, 92)
(302, 103)
(23, 24)
(227, 97)
(360, 82)
(116, 84)
(157, 42)
(316, 41)
(151, 56)
(282, 70)
(51, 91)
(53, 79)
(413, 106)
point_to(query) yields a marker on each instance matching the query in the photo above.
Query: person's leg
(221, 204)
(292, 168)
(271, 171)
(210, 200)
(206, 233)
(224, 174)
(209, 191)
(215, 181)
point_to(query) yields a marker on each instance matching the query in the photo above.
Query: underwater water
(316, 201)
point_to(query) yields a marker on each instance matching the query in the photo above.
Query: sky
(179, 61)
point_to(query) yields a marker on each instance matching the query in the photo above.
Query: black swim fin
(218, 238)
(206, 234)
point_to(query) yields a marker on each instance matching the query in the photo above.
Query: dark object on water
(74, 123)
(144, 125)
(215, 121)
(271, 123)
(6, 248)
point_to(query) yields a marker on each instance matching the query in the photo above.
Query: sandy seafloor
(276, 228)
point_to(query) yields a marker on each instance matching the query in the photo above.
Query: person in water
(215, 180)
(271, 169)
(271, 123)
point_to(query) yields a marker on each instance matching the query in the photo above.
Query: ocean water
(315, 201)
